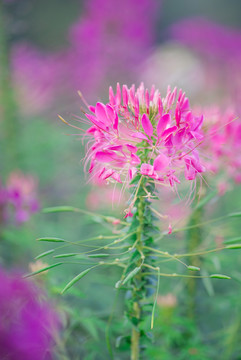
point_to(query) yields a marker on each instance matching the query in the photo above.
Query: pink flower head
(139, 132)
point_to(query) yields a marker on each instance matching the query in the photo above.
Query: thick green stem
(135, 337)
(141, 232)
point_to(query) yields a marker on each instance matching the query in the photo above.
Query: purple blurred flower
(35, 75)
(19, 199)
(220, 49)
(109, 41)
(28, 323)
(208, 38)
(107, 44)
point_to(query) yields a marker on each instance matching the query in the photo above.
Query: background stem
(194, 239)
(8, 107)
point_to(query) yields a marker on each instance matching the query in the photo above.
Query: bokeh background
(49, 50)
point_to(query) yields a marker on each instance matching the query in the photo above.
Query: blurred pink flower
(138, 132)
(28, 323)
(19, 198)
(222, 145)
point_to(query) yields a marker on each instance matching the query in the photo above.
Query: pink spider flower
(139, 132)
(223, 145)
(21, 196)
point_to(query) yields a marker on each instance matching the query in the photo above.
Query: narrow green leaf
(56, 209)
(205, 200)
(118, 284)
(65, 255)
(51, 239)
(237, 214)
(234, 246)
(98, 255)
(193, 268)
(155, 301)
(219, 276)
(76, 278)
(232, 241)
(44, 269)
(131, 275)
(44, 254)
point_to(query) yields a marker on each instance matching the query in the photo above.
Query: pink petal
(92, 108)
(129, 213)
(104, 156)
(178, 114)
(147, 125)
(185, 105)
(101, 114)
(97, 123)
(139, 135)
(137, 108)
(160, 105)
(110, 113)
(116, 177)
(146, 169)
(118, 94)
(107, 174)
(116, 122)
(125, 95)
(111, 96)
(132, 172)
(115, 147)
(162, 124)
(147, 98)
(135, 160)
(169, 131)
(161, 162)
(131, 148)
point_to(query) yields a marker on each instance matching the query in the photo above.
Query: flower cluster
(28, 323)
(223, 143)
(139, 132)
(18, 199)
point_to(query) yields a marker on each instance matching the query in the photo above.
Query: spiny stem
(135, 337)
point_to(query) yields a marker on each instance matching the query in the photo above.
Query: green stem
(135, 337)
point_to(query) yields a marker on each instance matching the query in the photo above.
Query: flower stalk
(139, 283)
